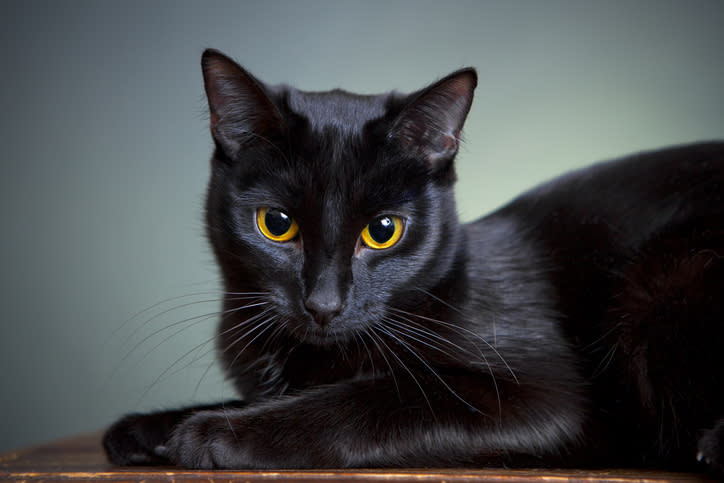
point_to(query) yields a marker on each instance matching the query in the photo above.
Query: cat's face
(326, 209)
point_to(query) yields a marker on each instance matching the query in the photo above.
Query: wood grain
(81, 458)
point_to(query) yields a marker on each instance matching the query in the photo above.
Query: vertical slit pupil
(277, 222)
(382, 229)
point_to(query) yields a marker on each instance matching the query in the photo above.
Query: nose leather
(325, 300)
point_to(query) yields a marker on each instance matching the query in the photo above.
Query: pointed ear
(240, 111)
(429, 126)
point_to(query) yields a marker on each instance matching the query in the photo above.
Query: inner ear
(429, 125)
(241, 113)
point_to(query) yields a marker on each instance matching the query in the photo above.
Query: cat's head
(326, 209)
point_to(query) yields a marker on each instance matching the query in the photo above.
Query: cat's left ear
(241, 112)
(429, 126)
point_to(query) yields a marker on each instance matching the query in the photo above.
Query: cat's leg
(385, 423)
(135, 439)
(711, 448)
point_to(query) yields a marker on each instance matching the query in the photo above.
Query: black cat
(579, 325)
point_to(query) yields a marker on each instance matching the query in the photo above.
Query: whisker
(374, 339)
(404, 323)
(168, 369)
(266, 322)
(172, 309)
(404, 366)
(610, 331)
(409, 334)
(195, 320)
(186, 324)
(135, 331)
(359, 336)
(482, 355)
(605, 361)
(432, 371)
(464, 331)
(157, 304)
(237, 327)
(225, 314)
(274, 336)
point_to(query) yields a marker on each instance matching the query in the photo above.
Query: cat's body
(578, 325)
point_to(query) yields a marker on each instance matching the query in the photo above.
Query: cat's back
(656, 185)
(630, 257)
(592, 220)
(575, 233)
(586, 231)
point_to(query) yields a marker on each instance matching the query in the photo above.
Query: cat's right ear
(429, 126)
(241, 113)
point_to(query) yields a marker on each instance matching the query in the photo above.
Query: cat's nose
(324, 305)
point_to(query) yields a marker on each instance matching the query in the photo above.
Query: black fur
(579, 325)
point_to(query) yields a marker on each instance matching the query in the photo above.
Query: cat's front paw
(711, 448)
(134, 439)
(209, 440)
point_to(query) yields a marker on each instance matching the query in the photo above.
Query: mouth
(323, 336)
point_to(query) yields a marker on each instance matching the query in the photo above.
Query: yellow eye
(383, 232)
(276, 225)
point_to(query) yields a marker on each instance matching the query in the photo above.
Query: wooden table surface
(81, 458)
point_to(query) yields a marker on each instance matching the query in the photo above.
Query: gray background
(104, 154)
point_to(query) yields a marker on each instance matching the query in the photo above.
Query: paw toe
(133, 440)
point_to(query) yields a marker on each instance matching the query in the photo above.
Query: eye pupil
(382, 229)
(277, 222)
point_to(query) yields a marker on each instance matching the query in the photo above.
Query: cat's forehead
(338, 109)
